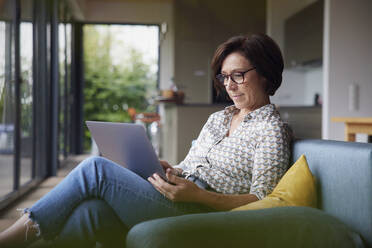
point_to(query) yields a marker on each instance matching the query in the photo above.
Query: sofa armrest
(343, 171)
(276, 227)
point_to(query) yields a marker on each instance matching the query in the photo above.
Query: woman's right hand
(166, 165)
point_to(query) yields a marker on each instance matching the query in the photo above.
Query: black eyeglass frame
(222, 77)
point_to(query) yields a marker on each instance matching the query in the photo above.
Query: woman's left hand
(177, 189)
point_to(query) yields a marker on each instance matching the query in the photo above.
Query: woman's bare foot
(21, 234)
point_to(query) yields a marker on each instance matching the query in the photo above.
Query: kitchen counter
(183, 122)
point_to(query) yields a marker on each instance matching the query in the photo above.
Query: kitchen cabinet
(303, 36)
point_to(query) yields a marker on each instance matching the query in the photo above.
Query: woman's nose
(230, 85)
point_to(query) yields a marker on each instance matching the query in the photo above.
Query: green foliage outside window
(110, 89)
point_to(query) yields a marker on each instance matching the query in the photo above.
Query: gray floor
(10, 215)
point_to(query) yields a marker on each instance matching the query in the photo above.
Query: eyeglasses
(236, 77)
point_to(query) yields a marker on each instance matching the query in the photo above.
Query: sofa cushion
(296, 188)
(274, 227)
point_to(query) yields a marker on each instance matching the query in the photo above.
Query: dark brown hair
(260, 50)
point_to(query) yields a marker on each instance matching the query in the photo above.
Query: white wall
(139, 12)
(313, 85)
(291, 92)
(299, 87)
(347, 60)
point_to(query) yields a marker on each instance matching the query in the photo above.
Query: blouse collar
(262, 112)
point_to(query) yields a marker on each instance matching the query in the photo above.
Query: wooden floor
(10, 214)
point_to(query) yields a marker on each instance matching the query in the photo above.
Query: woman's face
(250, 94)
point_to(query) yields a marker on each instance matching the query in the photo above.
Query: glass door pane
(7, 96)
(26, 45)
(120, 72)
(62, 79)
(64, 88)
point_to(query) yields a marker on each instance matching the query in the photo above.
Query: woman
(238, 158)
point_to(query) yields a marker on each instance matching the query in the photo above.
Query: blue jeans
(99, 195)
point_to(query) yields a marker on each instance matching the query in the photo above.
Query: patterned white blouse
(252, 159)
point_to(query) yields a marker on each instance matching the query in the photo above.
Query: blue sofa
(343, 219)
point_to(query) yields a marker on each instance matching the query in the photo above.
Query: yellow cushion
(296, 188)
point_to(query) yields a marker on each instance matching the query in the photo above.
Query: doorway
(121, 71)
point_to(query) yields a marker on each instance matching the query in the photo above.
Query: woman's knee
(97, 168)
(89, 163)
(95, 160)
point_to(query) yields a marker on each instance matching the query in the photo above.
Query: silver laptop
(126, 144)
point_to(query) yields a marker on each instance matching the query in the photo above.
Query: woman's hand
(166, 166)
(178, 189)
(181, 190)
